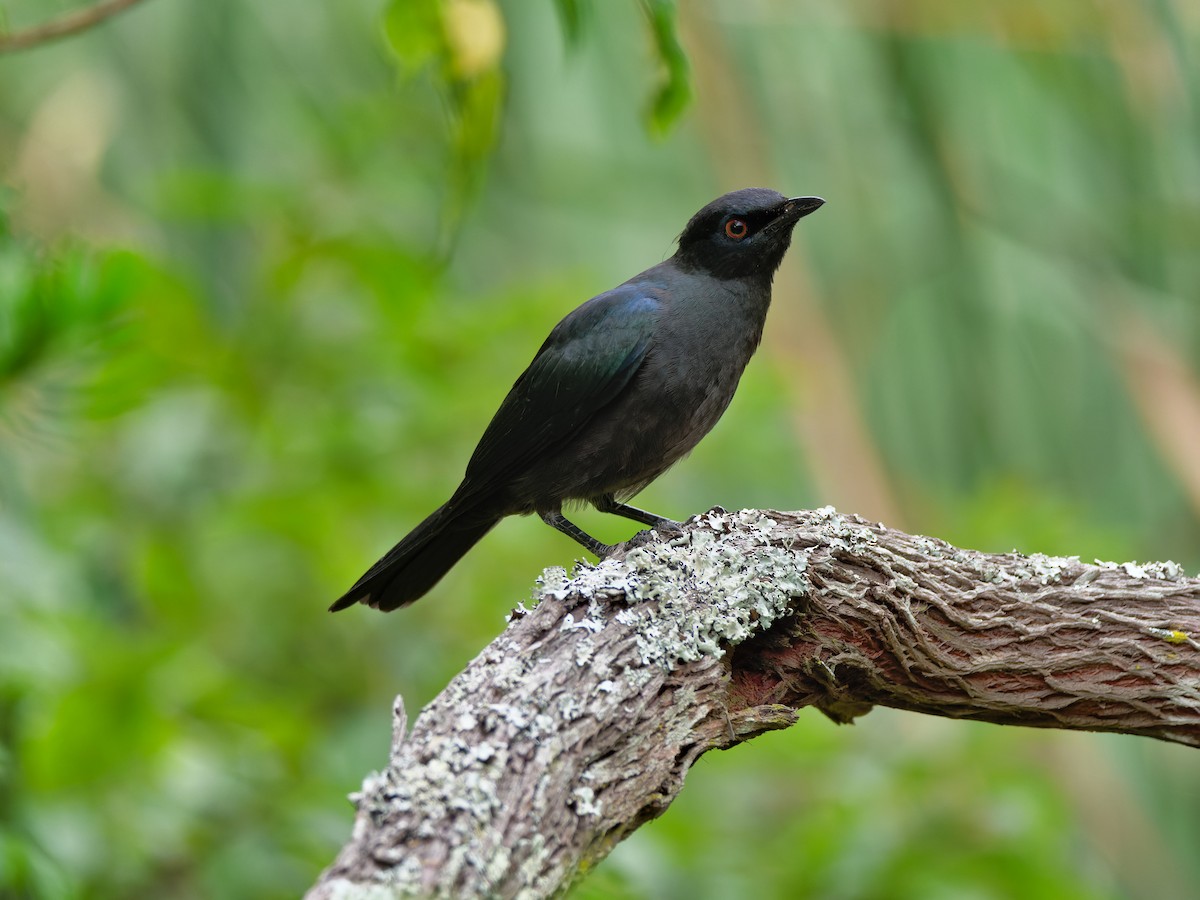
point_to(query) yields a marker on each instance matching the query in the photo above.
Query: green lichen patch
(1171, 635)
(746, 581)
(843, 533)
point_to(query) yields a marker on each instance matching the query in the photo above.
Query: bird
(622, 389)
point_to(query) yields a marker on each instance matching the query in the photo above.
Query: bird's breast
(691, 370)
(687, 381)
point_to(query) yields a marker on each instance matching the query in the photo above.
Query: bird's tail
(410, 569)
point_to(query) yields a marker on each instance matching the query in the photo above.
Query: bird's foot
(664, 530)
(668, 528)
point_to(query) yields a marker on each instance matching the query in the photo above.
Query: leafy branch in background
(674, 93)
(59, 315)
(461, 42)
(69, 24)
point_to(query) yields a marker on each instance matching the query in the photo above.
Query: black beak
(799, 207)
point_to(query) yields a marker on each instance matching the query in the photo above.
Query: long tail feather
(410, 569)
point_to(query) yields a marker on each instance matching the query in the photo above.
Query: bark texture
(581, 720)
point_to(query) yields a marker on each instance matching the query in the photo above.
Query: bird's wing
(584, 364)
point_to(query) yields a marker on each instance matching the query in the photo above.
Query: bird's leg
(607, 503)
(555, 519)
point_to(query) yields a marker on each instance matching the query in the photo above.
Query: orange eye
(736, 229)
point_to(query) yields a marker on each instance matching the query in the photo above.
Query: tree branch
(580, 721)
(64, 26)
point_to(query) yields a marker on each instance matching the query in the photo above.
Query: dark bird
(622, 389)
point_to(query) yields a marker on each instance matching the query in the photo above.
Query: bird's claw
(641, 539)
(668, 527)
(660, 532)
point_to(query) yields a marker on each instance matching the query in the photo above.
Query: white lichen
(584, 651)
(842, 533)
(585, 624)
(1049, 569)
(585, 803)
(510, 714)
(602, 669)
(747, 586)
(1167, 570)
(929, 547)
(569, 709)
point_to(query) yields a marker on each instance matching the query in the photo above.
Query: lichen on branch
(580, 721)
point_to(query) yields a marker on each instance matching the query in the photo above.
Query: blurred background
(266, 270)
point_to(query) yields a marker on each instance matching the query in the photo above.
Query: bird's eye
(736, 229)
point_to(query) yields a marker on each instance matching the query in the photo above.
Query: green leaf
(675, 92)
(413, 32)
(571, 15)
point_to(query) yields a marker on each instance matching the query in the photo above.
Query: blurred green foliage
(267, 269)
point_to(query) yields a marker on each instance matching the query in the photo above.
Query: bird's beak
(799, 207)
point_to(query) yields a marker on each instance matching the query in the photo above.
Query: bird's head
(743, 233)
